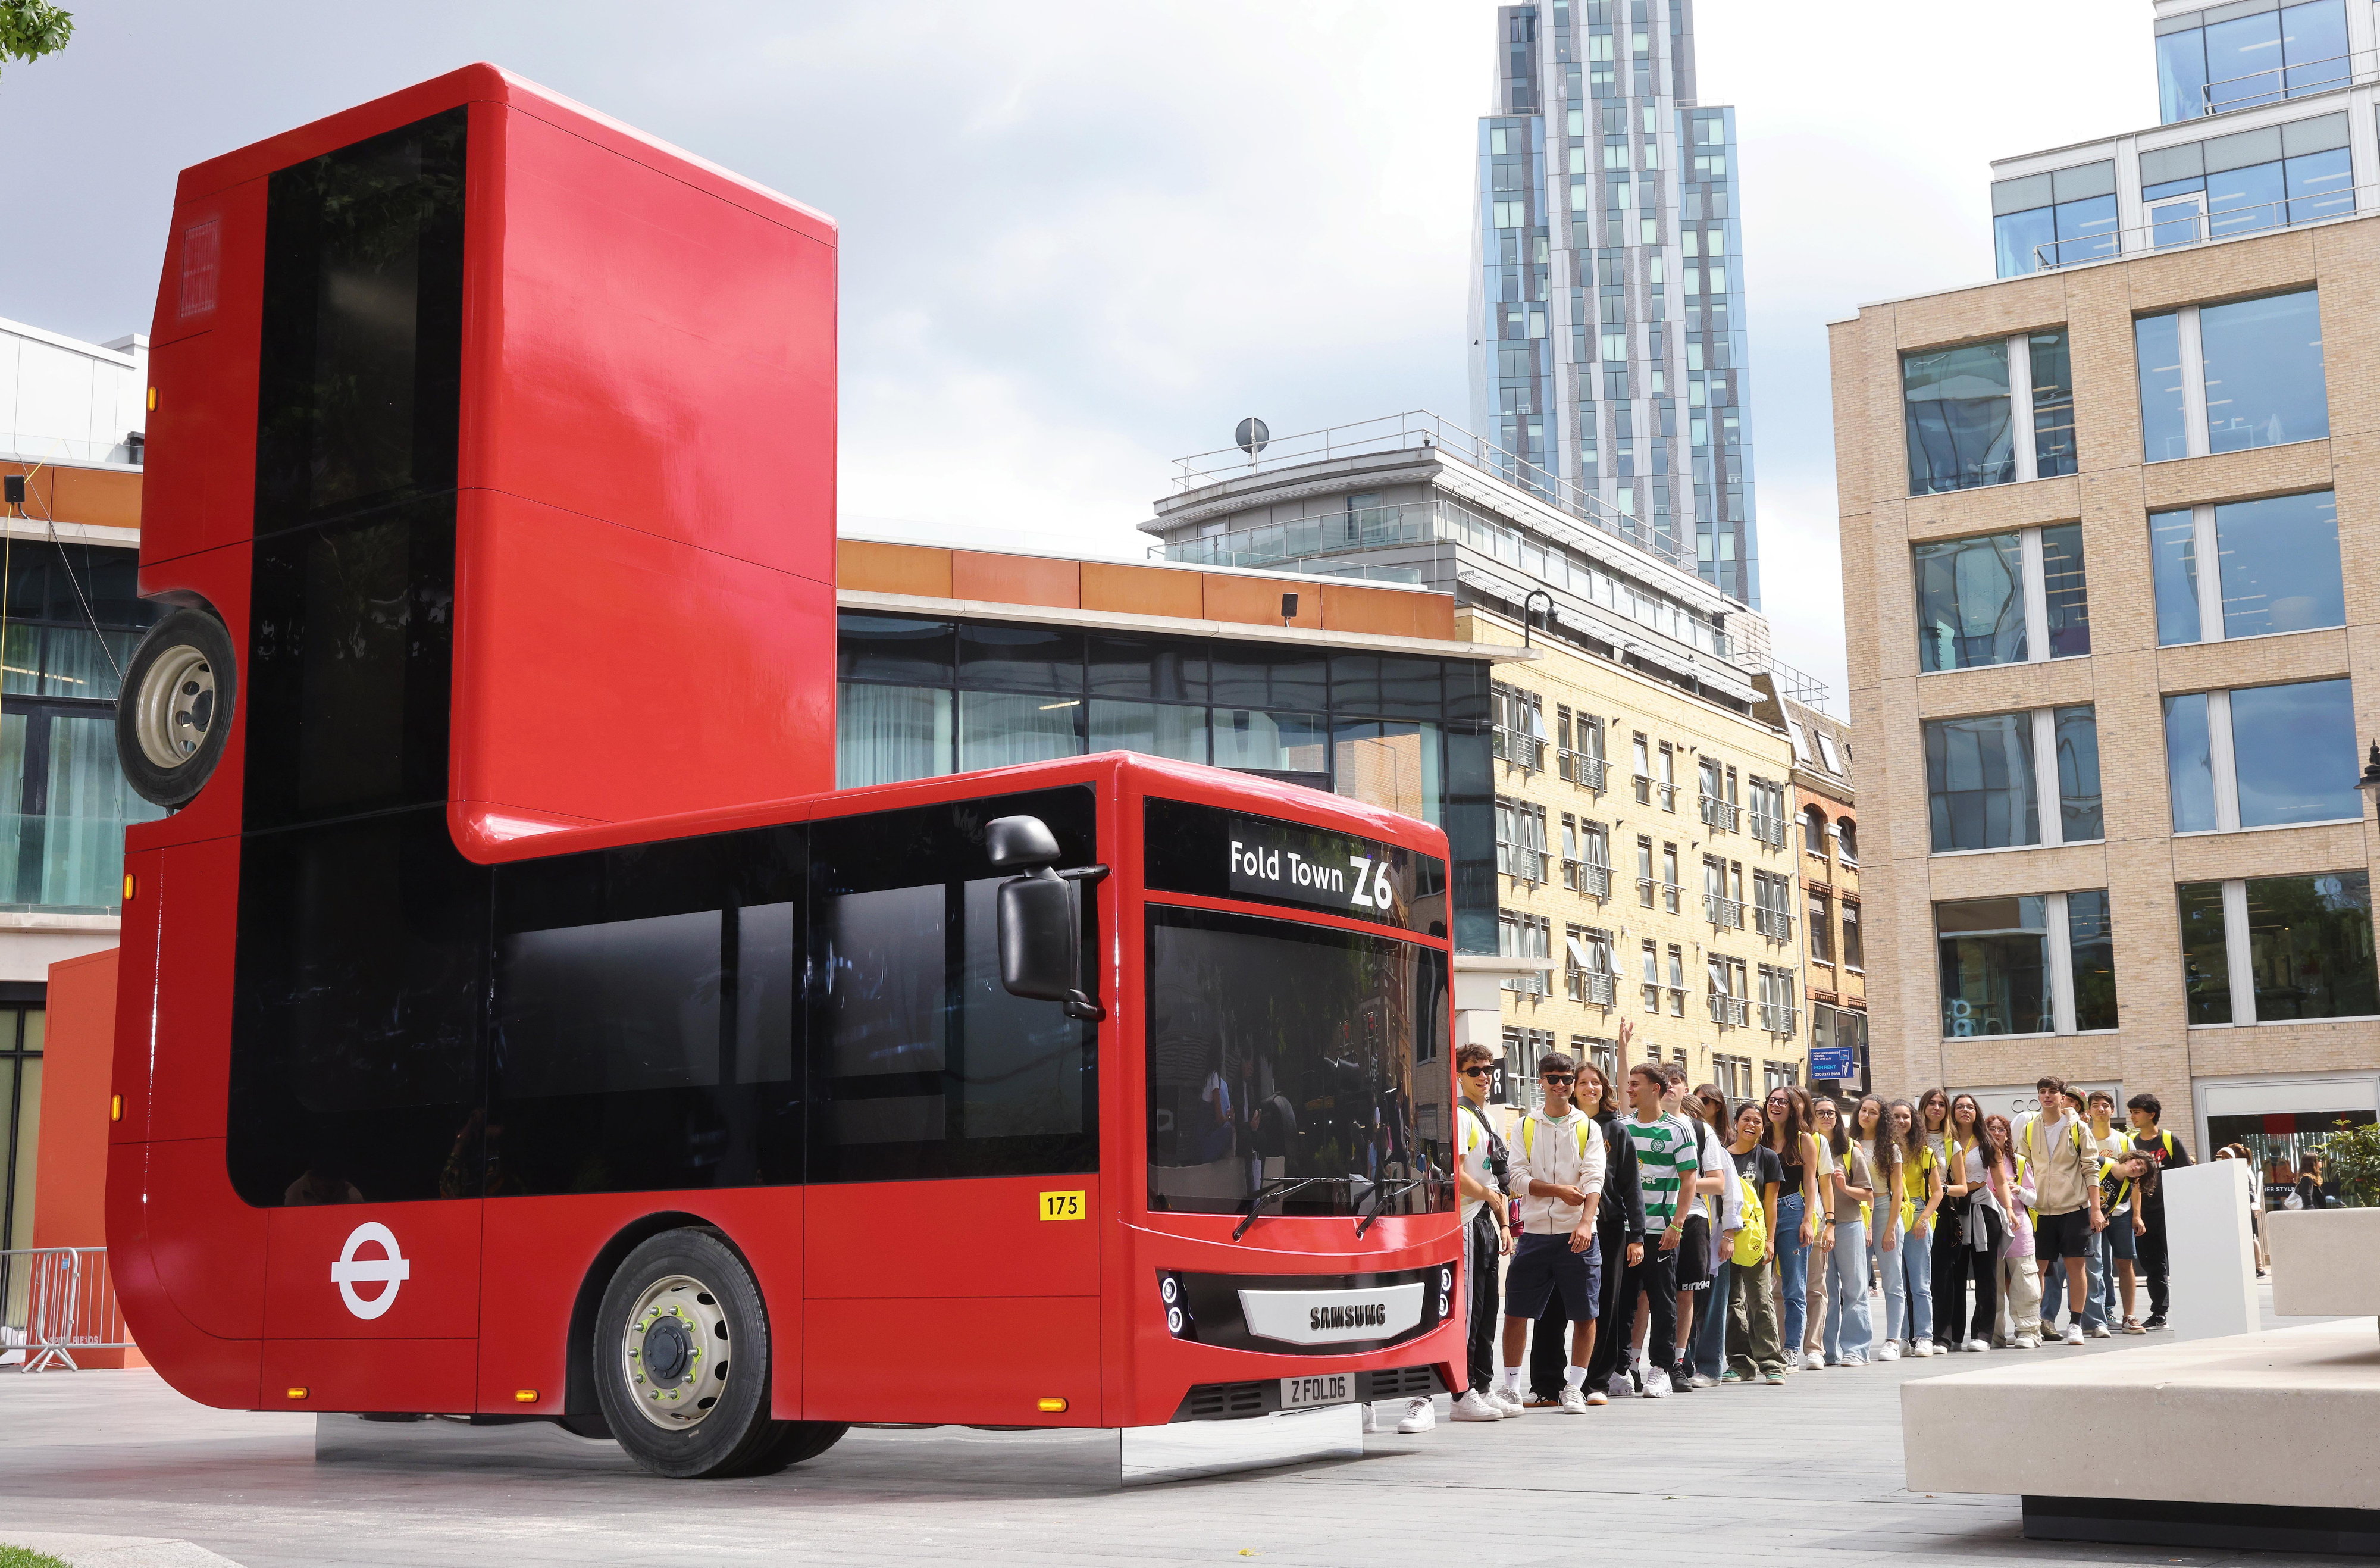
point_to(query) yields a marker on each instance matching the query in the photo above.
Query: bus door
(953, 1233)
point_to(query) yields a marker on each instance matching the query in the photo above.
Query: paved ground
(1806, 1474)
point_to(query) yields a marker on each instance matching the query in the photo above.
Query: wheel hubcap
(675, 1352)
(175, 707)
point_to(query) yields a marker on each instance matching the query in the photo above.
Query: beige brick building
(2110, 677)
(1825, 827)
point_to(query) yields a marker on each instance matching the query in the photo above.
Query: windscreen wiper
(1380, 1197)
(1279, 1187)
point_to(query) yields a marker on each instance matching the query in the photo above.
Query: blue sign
(1832, 1062)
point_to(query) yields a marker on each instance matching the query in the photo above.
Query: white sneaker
(1573, 1400)
(1890, 1351)
(1621, 1388)
(1596, 1396)
(1506, 1399)
(1698, 1380)
(2028, 1342)
(1925, 1349)
(1421, 1416)
(2073, 1333)
(1476, 1407)
(2103, 1333)
(1657, 1383)
(1979, 1344)
(1813, 1362)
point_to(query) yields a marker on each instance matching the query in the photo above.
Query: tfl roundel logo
(389, 1271)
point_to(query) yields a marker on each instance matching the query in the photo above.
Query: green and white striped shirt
(1666, 1160)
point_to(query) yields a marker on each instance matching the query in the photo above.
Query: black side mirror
(1039, 917)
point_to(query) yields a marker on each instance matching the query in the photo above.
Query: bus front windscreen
(1279, 1051)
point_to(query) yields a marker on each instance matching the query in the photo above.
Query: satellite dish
(1253, 436)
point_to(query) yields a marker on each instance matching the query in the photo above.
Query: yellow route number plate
(1062, 1205)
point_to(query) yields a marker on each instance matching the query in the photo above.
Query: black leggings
(1956, 1260)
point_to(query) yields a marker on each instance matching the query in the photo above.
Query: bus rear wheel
(682, 1361)
(175, 707)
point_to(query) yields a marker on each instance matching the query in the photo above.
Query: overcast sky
(1080, 240)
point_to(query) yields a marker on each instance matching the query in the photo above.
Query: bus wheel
(682, 1359)
(175, 707)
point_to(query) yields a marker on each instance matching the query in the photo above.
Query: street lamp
(2370, 783)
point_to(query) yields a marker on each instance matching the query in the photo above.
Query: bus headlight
(1179, 1320)
(1173, 1320)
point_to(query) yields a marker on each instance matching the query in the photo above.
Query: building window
(2256, 179)
(1987, 776)
(1580, 738)
(2055, 219)
(1677, 986)
(21, 1122)
(1666, 784)
(2226, 378)
(1523, 936)
(1721, 812)
(1671, 889)
(1957, 404)
(1520, 722)
(1645, 881)
(1524, 1049)
(2270, 566)
(1855, 953)
(1772, 906)
(2032, 965)
(1587, 975)
(1723, 892)
(1779, 1075)
(1767, 803)
(1821, 929)
(1814, 831)
(2262, 757)
(1977, 598)
(2274, 948)
(1781, 1001)
(1521, 839)
(1642, 748)
(1847, 841)
(2272, 53)
(1734, 1076)
(1652, 977)
(1586, 857)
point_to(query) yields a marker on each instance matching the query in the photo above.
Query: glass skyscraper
(1608, 323)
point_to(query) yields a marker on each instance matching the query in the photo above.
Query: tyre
(176, 707)
(682, 1361)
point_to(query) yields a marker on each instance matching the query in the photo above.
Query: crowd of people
(1655, 1240)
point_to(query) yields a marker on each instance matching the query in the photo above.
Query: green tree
(2351, 1161)
(30, 28)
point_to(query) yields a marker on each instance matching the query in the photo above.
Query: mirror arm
(1092, 874)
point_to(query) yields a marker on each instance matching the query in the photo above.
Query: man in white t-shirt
(1479, 1153)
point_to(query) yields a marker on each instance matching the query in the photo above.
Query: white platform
(2275, 1440)
(2325, 1261)
(2209, 1250)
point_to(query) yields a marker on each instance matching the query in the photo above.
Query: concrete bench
(2257, 1442)
(2325, 1261)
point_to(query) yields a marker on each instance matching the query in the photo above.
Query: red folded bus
(513, 1021)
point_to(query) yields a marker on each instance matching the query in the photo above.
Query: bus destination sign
(1224, 854)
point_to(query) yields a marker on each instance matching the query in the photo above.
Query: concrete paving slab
(116, 1552)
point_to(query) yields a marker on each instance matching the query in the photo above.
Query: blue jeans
(1708, 1354)
(1888, 1268)
(2098, 1284)
(1793, 1270)
(1848, 1330)
(1917, 1281)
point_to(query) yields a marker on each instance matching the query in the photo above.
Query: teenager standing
(1667, 1163)
(1557, 1175)
(1480, 1173)
(1620, 1230)
(1788, 1137)
(1908, 1268)
(2066, 1206)
(1706, 1349)
(1752, 1347)
(2168, 1151)
(1969, 1244)
(2018, 1319)
(1825, 1126)
(1863, 1186)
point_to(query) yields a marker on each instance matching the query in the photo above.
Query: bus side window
(922, 1064)
(644, 1022)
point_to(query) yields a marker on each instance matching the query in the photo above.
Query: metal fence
(54, 1302)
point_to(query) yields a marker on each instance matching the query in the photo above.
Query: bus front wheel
(682, 1362)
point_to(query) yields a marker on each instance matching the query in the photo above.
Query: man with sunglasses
(1480, 1172)
(1558, 1176)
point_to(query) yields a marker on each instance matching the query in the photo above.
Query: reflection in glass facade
(1956, 404)
(1995, 956)
(2306, 946)
(2295, 749)
(1970, 602)
(2237, 62)
(916, 698)
(1608, 308)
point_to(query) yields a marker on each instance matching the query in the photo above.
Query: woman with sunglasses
(1788, 1137)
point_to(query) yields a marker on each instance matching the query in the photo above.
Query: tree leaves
(30, 28)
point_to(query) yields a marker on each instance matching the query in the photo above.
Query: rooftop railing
(2279, 82)
(2178, 224)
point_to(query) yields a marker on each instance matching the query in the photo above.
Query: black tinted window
(922, 1064)
(356, 1014)
(1147, 668)
(351, 660)
(1254, 675)
(1018, 657)
(361, 356)
(646, 1029)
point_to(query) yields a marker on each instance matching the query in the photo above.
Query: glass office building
(1608, 297)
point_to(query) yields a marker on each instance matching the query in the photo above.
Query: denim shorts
(1544, 1269)
(2121, 1243)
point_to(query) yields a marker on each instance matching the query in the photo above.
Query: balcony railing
(1769, 830)
(1720, 814)
(1580, 768)
(2179, 225)
(1591, 878)
(1729, 1012)
(1723, 911)
(1592, 986)
(2300, 79)
(1519, 749)
(1777, 925)
(1779, 1017)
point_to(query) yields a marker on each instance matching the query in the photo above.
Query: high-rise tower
(1607, 310)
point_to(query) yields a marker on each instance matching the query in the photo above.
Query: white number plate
(1332, 1388)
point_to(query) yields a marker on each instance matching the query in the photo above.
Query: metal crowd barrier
(54, 1302)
